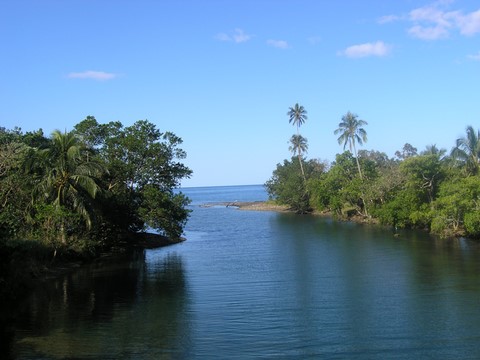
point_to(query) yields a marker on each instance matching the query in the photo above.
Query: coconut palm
(434, 150)
(298, 115)
(298, 145)
(468, 150)
(68, 181)
(351, 132)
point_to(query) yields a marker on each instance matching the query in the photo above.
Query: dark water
(264, 285)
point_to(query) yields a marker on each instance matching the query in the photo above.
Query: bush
(472, 224)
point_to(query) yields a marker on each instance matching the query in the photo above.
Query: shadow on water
(107, 311)
(360, 287)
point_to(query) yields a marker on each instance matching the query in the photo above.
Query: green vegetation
(92, 188)
(427, 190)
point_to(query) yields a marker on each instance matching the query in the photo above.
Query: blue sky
(222, 74)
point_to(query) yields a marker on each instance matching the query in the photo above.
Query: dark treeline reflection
(108, 310)
(378, 290)
(432, 259)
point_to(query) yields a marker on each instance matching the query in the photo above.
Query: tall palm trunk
(301, 167)
(361, 178)
(300, 158)
(358, 163)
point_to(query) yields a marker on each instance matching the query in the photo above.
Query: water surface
(250, 284)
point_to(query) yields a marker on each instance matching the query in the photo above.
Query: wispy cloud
(237, 36)
(438, 21)
(428, 32)
(389, 18)
(314, 40)
(475, 57)
(94, 75)
(378, 48)
(279, 44)
(431, 22)
(469, 24)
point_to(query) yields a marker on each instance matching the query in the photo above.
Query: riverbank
(258, 206)
(153, 241)
(25, 263)
(272, 206)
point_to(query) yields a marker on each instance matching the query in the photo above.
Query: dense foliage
(91, 187)
(428, 190)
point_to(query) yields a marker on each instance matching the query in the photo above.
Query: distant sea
(214, 194)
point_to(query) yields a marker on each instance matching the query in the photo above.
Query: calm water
(264, 285)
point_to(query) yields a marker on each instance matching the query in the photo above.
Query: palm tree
(351, 132)
(68, 180)
(434, 150)
(468, 150)
(298, 144)
(298, 115)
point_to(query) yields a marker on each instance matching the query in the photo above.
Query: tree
(408, 151)
(458, 203)
(298, 115)
(351, 132)
(288, 187)
(467, 150)
(67, 180)
(380, 159)
(337, 190)
(424, 173)
(14, 187)
(433, 150)
(144, 165)
(409, 201)
(298, 145)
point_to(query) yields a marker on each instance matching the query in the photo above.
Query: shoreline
(252, 205)
(258, 206)
(36, 271)
(271, 206)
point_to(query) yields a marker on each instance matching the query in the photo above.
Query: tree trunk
(301, 168)
(361, 179)
(62, 233)
(358, 163)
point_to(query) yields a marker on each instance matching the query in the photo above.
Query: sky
(222, 74)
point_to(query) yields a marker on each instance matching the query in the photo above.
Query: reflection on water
(413, 293)
(109, 311)
(265, 285)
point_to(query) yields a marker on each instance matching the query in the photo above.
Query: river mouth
(263, 284)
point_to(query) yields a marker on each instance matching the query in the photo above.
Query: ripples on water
(265, 285)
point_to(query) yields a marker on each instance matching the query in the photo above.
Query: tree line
(430, 189)
(89, 188)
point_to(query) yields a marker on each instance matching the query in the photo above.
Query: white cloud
(280, 44)
(237, 36)
(433, 15)
(90, 74)
(314, 40)
(388, 19)
(469, 24)
(223, 37)
(428, 33)
(378, 48)
(436, 21)
(475, 57)
(432, 22)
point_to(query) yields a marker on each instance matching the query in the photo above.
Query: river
(263, 285)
